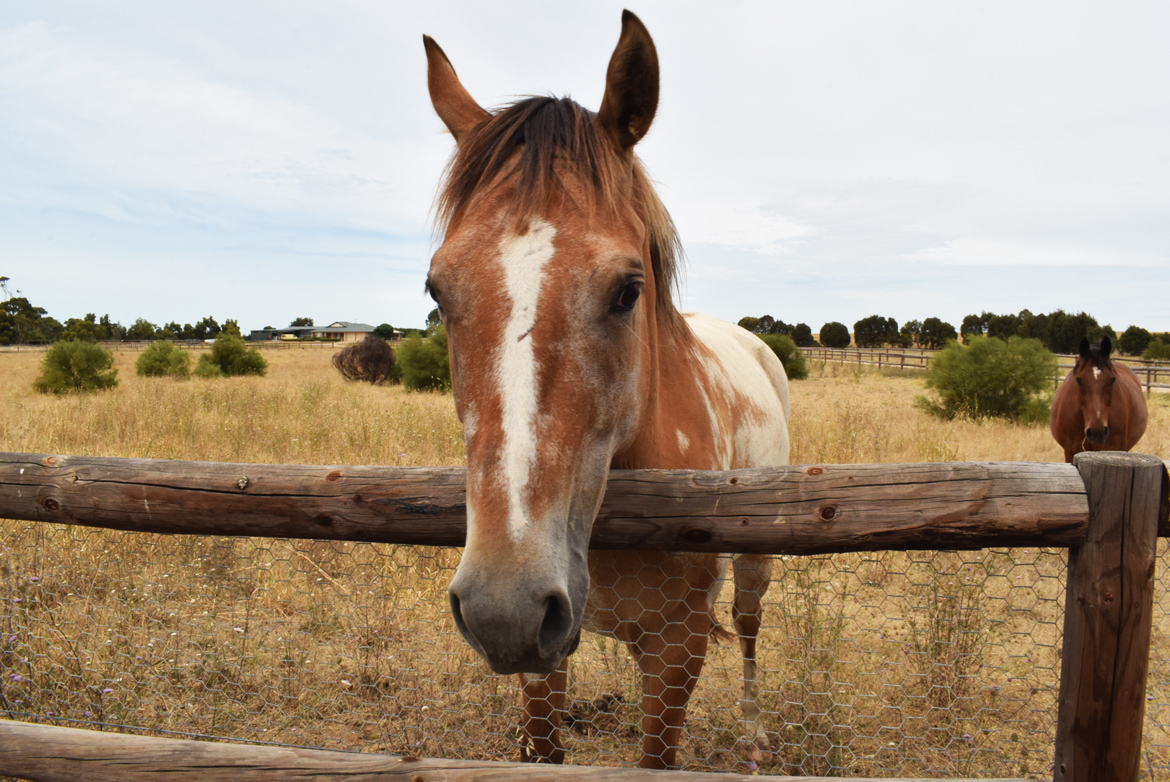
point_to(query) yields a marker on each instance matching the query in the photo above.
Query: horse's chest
(637, 592)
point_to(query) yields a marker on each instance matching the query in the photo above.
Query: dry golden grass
(886, 664)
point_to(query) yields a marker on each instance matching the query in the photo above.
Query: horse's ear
(1106, 347)
(1085, 352)
(454, 105)
(631, 85)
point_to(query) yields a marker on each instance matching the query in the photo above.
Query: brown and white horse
(568, 357)
(1099, 406)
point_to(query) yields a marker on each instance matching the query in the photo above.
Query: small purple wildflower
(107, 691)
(752, 765)
(34, 579)
(15, 677)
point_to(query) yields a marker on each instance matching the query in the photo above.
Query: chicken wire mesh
(881, 664)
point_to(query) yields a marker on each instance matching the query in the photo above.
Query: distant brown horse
(1100, 406)
(569, 357)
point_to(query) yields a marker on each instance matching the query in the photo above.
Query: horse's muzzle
(529, 633)
(1097, 436)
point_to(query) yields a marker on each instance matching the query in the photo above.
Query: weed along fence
(949, 683)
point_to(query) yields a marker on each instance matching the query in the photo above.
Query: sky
(824, 161)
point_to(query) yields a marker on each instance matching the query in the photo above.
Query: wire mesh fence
(879, 664)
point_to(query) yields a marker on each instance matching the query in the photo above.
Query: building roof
(345, 325)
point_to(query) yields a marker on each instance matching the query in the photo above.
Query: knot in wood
(51, 461)
(324, 519)
(815, 470)
(697, 536)
(333, 476)
(828, 512)
(1108, 597)
(243, 482)
(50, 503)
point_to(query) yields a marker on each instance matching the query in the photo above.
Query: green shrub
(835, 335)
(163, 359)
(789, 354)
(74, 366)
(232, 357)
(424, 362)
(991, 377)
(1157, 350)
(1134, 340)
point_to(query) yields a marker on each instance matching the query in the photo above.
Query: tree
(76, 367)
(370, 361)
(802, 335)
(141, 330)
(875, 331)
(22, 323)
(911, 333)
(1066, 331)
(749, 323)
(991, 378)
(385, 331)
(974, 325)
(835, 335)
(81, 329)
(1003, 326)
(1157, 350)
(434, 318)
(205, 329)
(1134, 340)
(163, 359)
(935, 333)
(301, 322)
(788, 353)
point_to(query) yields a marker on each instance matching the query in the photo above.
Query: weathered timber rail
(777, 510)
(1107, 508)
(52, 754)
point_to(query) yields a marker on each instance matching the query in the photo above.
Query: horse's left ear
(631, 85)
(452, 102)
(1106, 346)
(1084, 348)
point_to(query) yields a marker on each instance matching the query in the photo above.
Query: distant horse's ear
(454, 105)
(1106, 347)
(1085, 353)
(631, 85)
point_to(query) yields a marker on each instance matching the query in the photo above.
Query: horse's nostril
(557, 623)
(457, 613)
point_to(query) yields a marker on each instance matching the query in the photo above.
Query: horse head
(1095, 377)
(553, 274)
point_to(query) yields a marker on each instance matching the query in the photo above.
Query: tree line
(1059, 332)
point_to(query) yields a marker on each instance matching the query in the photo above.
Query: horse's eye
(627, 297)
(433, 292)
(1078, 381)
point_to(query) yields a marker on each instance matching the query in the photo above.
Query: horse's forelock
(522, 144)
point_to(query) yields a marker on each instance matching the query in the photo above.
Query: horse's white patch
(524, 259)
(684, 442)
(1096, 373)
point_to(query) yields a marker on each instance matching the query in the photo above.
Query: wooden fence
(1154, 374)
(1108, 509)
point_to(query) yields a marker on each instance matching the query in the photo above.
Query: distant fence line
(190, 344)
(1154, 374)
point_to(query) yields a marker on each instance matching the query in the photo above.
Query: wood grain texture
(51, 754)
(1108, 615)
(801, 509)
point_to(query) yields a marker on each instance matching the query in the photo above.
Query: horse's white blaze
(1096, 373)
(524, 259)
(684, 442)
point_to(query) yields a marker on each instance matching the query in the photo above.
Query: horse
(1099, 406)
(554, 279)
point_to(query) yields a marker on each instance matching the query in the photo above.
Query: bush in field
(788, 353)
(370, 361)
(992, 377)
(230, 357)
(1157, 350)
(835, 335)
(163, 359)
(74, 366)
(424, 362)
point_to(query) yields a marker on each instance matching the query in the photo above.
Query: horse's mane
(548, 131)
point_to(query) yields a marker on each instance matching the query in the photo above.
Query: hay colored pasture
(907, 664)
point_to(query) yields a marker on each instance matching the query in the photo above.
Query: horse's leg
(671, 662)
(753, 575)
(544, 704)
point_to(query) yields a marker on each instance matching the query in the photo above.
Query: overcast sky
(265, 161)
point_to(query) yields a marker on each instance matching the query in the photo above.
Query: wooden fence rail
(1107, 508)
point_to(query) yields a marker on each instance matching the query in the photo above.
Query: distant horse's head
(1095, 376)
(554, 281)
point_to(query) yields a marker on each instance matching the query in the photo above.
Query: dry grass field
(890, 664)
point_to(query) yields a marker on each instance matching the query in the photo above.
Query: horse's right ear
(1085, 352)
(1106, 347)
(631, 85)
(454, 105)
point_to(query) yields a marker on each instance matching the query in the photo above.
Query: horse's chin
(1097, 436)
(532, 664)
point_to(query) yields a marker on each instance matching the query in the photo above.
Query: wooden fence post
(1108, 611)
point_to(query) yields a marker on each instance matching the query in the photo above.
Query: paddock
(1107, 511)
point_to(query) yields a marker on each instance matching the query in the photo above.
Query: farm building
(341, 330)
